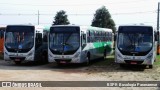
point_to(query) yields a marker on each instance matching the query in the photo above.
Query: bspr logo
(6, 84)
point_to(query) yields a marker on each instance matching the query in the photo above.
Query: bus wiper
(130, 39)
(65, 42)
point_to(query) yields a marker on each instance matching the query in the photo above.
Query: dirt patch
(102, 70)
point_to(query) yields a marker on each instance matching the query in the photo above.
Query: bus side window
(45, 38)
(91, 36)
(1, 34)
(38, 39)
(106, 36)
(83, 40)
(155, 36)
(88, 36)
(110, 36)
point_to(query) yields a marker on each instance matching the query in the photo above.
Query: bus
(25, 43)
(2, 29)
(78, 44)
(136, 44)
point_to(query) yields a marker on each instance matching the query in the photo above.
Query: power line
(124, 7)
(83, 14)
(22, 4)
(134, 13)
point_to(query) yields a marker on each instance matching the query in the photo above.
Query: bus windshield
(19, 38)
(64, 40)
(135, 39)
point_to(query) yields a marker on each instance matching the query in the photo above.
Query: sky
(80, 12)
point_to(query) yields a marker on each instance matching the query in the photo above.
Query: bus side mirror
(156, 38)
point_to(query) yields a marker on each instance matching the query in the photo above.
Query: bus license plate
(63, 62)
(17, 59)
(133, 62)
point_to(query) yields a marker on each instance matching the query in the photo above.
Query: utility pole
(158, 17)
(158, 46)
(38, 17)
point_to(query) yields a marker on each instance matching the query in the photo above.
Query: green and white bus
(25, 43)
(78, 44)
(136, 44)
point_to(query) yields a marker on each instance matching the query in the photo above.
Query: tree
(102, 18)
(61, 18)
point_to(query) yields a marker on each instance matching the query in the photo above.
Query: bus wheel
(122, 65)
(87, 60)
(144, 66)
(44, 57)
(59, 64)
(150, 66)
(17, 62)
(104, 55)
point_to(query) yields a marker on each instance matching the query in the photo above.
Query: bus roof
(20, 25)
(47, 28)
(85, 27)
(135, 25)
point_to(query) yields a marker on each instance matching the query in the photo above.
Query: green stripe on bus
(100, 46)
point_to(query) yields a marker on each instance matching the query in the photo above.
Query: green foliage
(102, 18)
(61, 18)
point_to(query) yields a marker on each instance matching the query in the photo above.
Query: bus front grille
(130, 61)
(20, 58)
(66, 60)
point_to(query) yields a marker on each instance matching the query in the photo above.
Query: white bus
(78, 44)
(25, 43)
(136, 44)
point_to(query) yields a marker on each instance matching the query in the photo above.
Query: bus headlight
(77, 54)
(31, 53)
(6, 53)
(149, 57)
(119, 56)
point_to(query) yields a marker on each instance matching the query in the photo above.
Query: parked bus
(2, 29)
(78, 44)
(136, 45)
(25, 43)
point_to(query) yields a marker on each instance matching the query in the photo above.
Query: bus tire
(17, 62)
(87, 60)
(59, 64)
(104, 55)
(150, 66)
(44, 57)
(144, 66)
(122, 65)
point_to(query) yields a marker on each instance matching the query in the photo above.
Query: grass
(157, 60)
